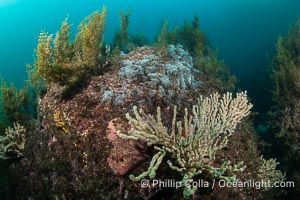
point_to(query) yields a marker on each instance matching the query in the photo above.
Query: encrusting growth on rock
(194, 142)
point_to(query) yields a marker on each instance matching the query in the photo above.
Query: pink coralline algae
(124, 155)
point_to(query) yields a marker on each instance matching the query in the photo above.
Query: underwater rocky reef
(96, 120)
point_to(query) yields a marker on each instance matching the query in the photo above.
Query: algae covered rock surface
(76, 153)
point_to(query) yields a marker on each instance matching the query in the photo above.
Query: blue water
(243, 31)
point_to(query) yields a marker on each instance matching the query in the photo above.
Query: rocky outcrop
(75, 152)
